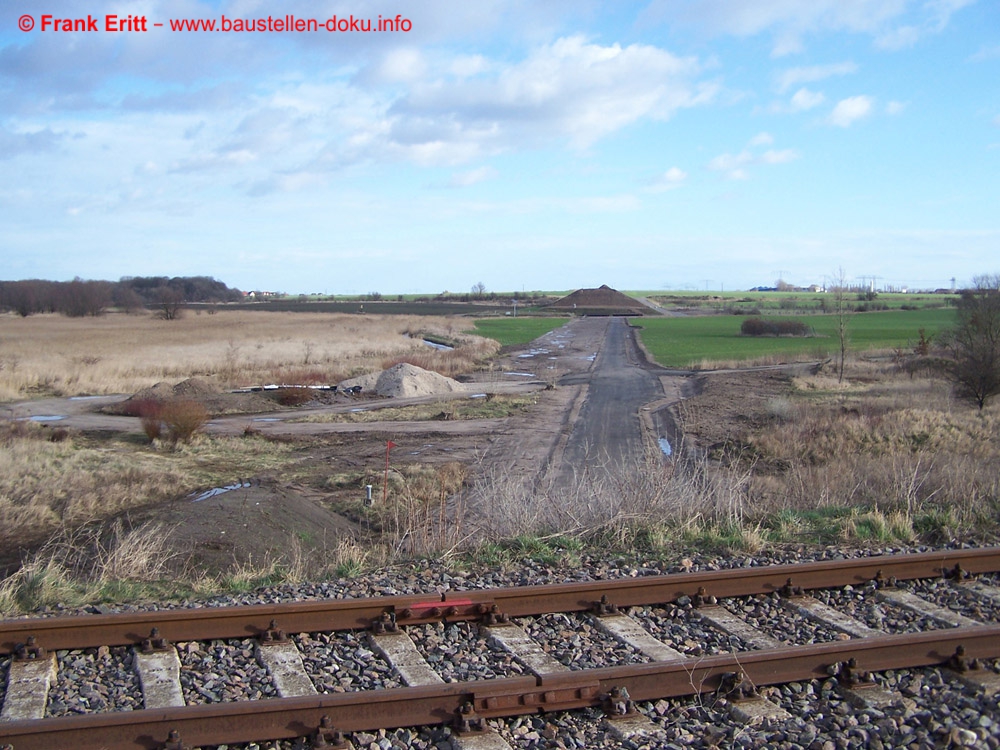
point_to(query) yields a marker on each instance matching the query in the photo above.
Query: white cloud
(672, 179)
(736, 165)
(804, 99)
(891, 23)
(812, 73)
(985, 53)
(466, 66)
(850, 110)
(402, 65)
(570, 89)
(779, 157)
(472, 177)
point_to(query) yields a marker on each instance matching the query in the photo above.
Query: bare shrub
(183, 418)
(150, 413)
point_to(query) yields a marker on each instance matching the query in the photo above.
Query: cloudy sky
(525, 145)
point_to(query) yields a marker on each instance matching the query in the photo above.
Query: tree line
(79, 298)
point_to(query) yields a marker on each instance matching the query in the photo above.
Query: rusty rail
(208, 623)
(285, 718)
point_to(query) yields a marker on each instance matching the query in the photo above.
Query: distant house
(601, 301)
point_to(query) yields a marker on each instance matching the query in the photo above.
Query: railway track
(327, 672)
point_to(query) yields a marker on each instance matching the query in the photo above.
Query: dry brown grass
(118, 353)
(884, 443)
(48, 486)
(423, 511)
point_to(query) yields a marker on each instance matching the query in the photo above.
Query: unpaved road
(608, 430)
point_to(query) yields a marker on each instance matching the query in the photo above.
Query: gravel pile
(94, 680)
(343, 662)
(458, 652)
(222, 671)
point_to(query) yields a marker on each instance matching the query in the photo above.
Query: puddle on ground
(439, 347)
(521, 374)
(219, 491)
(85, 398)
(43, 418)
(478, 395)
(665, 446)
(266, 419)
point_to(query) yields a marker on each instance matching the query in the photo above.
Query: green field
(681, 342)
(792, 302)
(510, 331)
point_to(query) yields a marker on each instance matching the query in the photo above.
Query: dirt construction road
(608, 430)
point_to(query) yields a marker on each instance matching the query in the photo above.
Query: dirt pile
(406, 380)
(214, 399)
(403, 381)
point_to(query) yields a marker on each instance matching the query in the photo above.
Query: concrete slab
(633, 726)
(488, 740)
(871, 696)
(724, 620)
(28, 684)
(527, 651)
(400, 651)
(914, 603)
(753, 711)
(816, 610)
(160, 678)
(284, 663)
(630, 632)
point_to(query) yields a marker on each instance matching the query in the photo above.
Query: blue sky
(645, 145)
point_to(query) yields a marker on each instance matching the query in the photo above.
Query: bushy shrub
(761, 327)
(183, 418)
(150, 413)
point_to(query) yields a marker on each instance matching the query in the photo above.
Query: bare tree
(974, 342)
(478, 290)
(842, 310)
(171, 303)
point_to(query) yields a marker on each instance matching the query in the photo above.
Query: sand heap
(403, 381)
(194, 389)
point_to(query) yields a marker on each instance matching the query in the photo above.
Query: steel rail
(285, 718)
(179, 625)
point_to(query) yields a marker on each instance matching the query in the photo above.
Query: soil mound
(209, 395)
(406, 380)
(195, 389)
